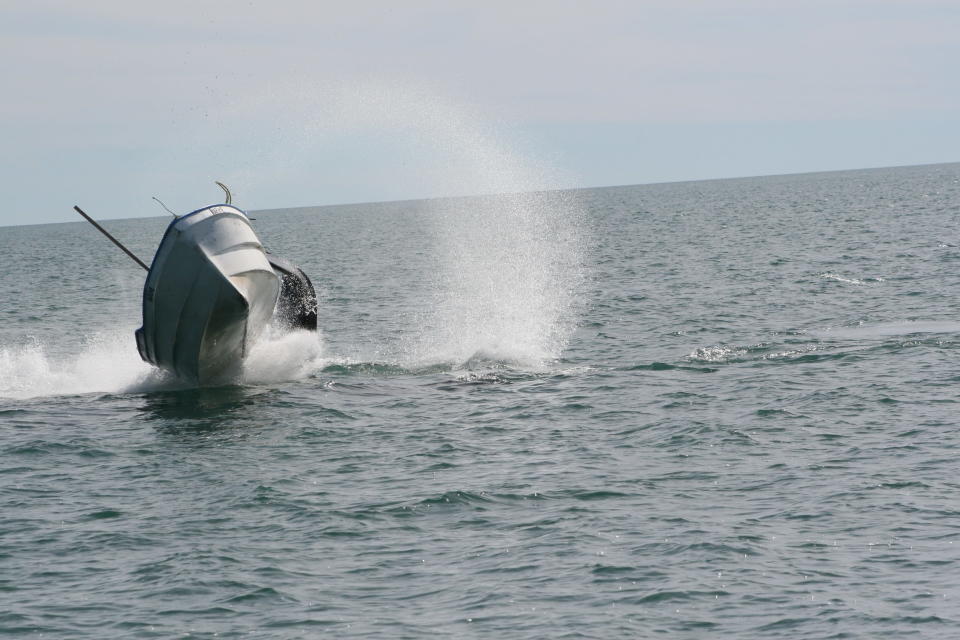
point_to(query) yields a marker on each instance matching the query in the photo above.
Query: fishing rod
(112, 239)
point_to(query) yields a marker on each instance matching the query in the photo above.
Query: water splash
(373, 139)
(507, 282)
(282, 356)
(508, 267)
(107, 363)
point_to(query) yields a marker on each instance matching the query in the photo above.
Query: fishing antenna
(226, 191)
(165, 206)
(112, 239)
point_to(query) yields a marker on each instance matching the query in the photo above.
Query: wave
(859, 281)
(830, 343)
(888, 329)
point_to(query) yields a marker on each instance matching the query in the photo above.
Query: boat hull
(209, 294)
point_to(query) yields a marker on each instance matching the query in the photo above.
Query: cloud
(143, 84)
(556, 60)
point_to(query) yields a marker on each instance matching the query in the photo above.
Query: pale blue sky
(107, 103)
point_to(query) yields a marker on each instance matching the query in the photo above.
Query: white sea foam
(839, 278)
(106, 363)
(283, 356)
(716, 353)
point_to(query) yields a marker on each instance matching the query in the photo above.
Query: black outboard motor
(297, 305)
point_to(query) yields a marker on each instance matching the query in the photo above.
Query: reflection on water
(888, 329)
(206, 409)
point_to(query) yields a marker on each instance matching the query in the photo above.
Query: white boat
(211, 291)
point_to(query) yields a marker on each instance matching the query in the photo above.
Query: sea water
(705, 409)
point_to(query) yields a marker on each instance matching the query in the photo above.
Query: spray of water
(107, 363)
(280, 356)
(507, 281)
(509, 265)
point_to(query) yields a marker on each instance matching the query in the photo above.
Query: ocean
(692, 410)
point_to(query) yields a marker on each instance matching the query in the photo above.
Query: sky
(109, 103)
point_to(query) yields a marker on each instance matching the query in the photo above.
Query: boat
(211, 292)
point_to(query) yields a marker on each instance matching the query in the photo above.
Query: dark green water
(708, 409)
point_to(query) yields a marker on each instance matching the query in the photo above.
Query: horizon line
(556, 190)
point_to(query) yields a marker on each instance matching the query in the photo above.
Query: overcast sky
(107, 103)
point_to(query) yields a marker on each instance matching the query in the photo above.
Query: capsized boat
(211, 291)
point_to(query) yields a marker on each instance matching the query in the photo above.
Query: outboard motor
(297, 304)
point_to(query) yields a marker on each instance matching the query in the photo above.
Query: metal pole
(112, 239)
